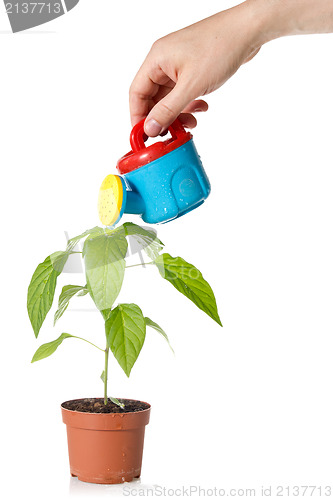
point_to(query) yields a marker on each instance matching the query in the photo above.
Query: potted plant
(105, 435)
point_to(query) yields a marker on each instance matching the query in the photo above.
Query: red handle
(176, 129)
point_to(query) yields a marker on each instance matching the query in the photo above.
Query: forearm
(292, 17)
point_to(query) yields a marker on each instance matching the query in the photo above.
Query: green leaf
(83, 292)
(157, 327)
(105, 313)
(42, 287)
(59, 259)
(45, 350)
(71, 244)
(67, 293)
(105, 267)
(117, 402)
(125, 332)
(103, 376)
(188, 280)
(145, 238)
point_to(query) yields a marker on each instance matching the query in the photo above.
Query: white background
(243, 406)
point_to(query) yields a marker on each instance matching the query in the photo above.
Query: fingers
(251, 56)
(142, 90)
(140, 102)
(196, 106)
(167, 109)
(188, 120)
(186, 117)
(150, 83)
(156, 96)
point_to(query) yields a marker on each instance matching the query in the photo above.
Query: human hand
(190, 63)
(197, 60)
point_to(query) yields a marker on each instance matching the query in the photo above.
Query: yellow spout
(110, 200)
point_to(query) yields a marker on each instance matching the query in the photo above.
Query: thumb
(167, 109)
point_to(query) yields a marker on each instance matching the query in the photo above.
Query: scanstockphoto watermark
(279, 491)
(138, 245)
(23, 14)
(135, 247)
(100, 255)
(187, 491)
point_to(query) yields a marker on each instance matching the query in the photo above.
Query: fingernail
(153, 128)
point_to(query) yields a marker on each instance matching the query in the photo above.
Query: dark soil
(96, 405)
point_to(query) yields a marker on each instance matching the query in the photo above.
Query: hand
(198, 59)
(190, 63)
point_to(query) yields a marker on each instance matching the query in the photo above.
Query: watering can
(159, 182)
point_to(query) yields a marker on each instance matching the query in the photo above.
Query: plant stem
(144, 264)
(106, 375)
(89, 343)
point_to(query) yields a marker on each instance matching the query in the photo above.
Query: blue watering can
(160, 182)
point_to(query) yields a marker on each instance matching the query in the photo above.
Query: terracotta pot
(105, 448)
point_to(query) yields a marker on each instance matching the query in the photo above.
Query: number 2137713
(33, 8)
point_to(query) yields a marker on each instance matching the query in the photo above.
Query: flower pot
(105, 448)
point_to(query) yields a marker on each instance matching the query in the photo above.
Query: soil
(96, 405)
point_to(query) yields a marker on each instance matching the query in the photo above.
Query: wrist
(277, 18)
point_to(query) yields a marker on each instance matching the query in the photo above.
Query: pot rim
(105, 421)
(104, 414)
